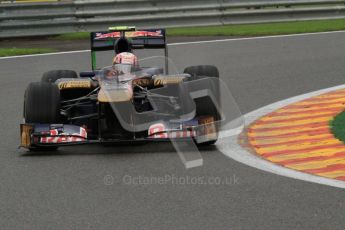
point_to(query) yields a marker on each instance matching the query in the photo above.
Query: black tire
(204, 105)
(42, 103)
(53, 75)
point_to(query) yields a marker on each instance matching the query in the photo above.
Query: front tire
(42, 105)
(204, 105)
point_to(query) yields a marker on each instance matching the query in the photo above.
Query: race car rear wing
(139, 39)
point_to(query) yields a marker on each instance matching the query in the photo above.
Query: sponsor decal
(74, 84)
(160, 132)
(56, 137)
(166, 80)
(134, 34)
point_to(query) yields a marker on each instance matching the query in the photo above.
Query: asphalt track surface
(85, 187)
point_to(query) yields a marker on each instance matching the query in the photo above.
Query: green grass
(337, 126)
(4, 52)
(245, 30)
(261, 29)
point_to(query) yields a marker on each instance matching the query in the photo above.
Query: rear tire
(203, 107)
(53, 75)
(201, 71)
(42, 105)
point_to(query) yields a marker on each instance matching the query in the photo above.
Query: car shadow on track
(149, 148)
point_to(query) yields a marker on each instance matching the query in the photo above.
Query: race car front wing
(39, 135)
(51, 134)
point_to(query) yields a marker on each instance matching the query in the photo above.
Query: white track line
(45, 54)
(257, 38)
(189, 43)
(233, 150)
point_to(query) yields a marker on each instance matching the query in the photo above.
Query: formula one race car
(123, 103)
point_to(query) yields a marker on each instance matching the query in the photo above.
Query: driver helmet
(124, 62)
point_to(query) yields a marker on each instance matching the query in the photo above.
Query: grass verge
(5, 52)
(337, 126)
(245, 30)
(262, 29)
